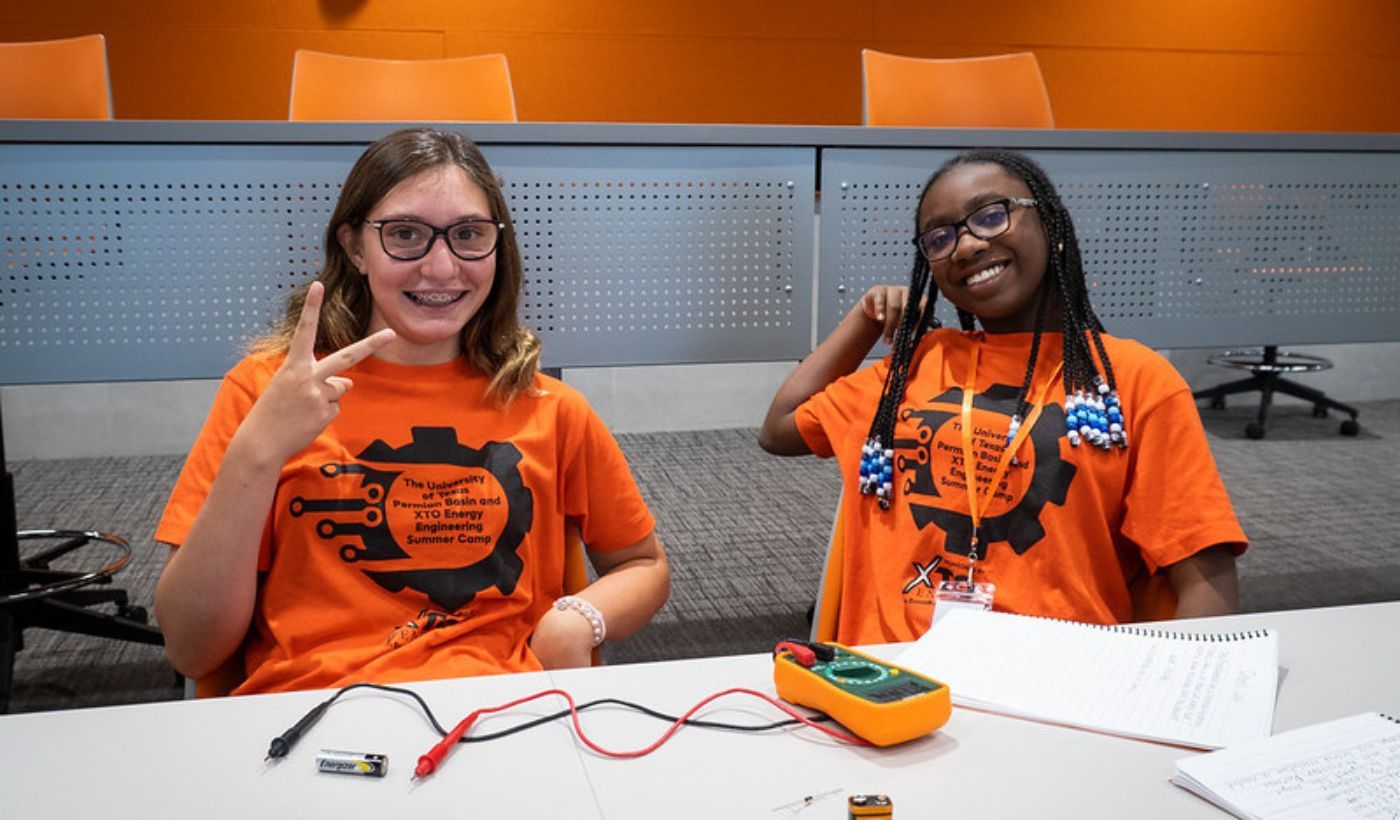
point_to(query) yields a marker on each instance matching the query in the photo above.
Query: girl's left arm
(633, 583)
(1206, 583)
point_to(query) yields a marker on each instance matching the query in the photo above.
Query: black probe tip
(278, 748)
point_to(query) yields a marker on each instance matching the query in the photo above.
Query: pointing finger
(303, 345)
(351, 355)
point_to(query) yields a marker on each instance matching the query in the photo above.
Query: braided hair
(1092, 409)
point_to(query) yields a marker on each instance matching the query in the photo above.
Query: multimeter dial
(852, 672)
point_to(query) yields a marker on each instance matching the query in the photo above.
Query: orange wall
(1252, 65)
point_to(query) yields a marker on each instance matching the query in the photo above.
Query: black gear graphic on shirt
(453, 587)
(1019, 526)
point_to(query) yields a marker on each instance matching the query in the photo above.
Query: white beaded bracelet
(587, 610)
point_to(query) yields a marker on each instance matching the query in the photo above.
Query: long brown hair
(493, 339)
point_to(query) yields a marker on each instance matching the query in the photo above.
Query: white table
(204, 758)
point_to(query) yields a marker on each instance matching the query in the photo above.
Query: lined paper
(1346, 768)
(1206, 691)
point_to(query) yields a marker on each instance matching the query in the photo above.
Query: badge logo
(437, 502)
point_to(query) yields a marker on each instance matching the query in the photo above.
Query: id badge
(952, 595)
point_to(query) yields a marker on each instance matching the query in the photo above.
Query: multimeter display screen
(871, 680)
(863, 672)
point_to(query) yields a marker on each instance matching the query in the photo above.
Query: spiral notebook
(1345, 768)
(1204, 691)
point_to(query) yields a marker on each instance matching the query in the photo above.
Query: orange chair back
(1003, 91)
(576, 570)
(826, 615)
(336, 87)
(56, 79)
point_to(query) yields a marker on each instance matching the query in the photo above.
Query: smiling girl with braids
(1095, 495)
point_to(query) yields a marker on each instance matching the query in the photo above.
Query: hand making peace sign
(304, 394)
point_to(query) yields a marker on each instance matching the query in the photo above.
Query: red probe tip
(426, 766)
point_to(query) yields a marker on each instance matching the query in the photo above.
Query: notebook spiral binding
(1219, 637)
(1168, 634)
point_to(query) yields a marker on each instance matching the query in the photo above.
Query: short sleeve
(235, 397)
(1175, 502)
(828, 416)
(598, 489)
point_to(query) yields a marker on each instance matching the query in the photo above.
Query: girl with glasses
(384, 486)
(1028, 462)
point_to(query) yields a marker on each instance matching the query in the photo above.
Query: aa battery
(335, 761)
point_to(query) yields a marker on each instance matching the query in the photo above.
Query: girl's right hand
(304, 395)
(884, 305)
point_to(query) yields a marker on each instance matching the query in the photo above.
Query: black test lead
(429, 762)
(283, 743)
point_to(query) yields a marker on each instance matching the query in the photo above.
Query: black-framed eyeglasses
(988, 221)
(410, 239)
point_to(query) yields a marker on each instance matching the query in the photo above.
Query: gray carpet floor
(746, 534)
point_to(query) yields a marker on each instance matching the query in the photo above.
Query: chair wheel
(1351, 427)
(1217, 403)
(1254, 430)
(134, 612)
(1320, 411)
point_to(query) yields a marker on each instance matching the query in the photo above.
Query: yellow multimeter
(882, 703)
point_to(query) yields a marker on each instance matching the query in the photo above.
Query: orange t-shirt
(422, 534)
(1070, 528)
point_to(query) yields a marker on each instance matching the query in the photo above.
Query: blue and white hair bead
(1077, 416)
(1117, 427)
(1095, 417)
(1013, 429)
(1011, 432)
(877, 472)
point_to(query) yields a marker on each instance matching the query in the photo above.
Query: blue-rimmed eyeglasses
(986, 222)
(409, 239)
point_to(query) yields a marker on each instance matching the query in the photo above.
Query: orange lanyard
(974, 503)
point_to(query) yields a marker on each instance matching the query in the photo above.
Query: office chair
(35, 594)
(1267, 368)
(826, 613)
(55, 79)
(336, 87)
(1002, 91)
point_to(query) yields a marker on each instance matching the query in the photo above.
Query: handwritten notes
(1207, 691)
(1347, 768)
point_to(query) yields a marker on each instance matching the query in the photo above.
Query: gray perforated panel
(1182, 249)
(140, 262)
(664, 255)
(152, 262)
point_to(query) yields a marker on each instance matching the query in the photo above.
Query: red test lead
(428, 763)
(801, 653)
